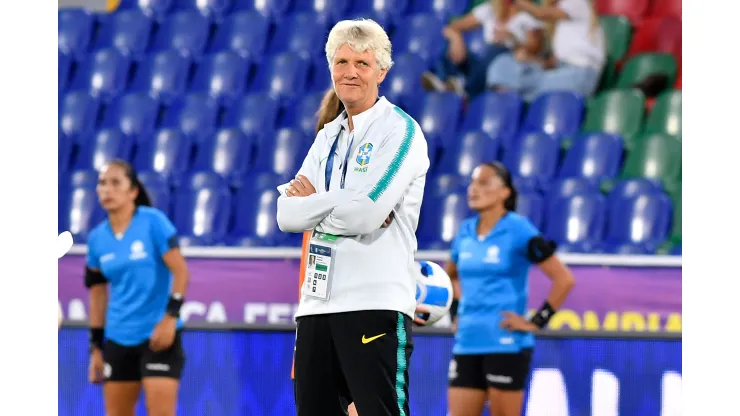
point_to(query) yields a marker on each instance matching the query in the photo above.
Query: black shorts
(353, 357)
(134, 363)
(499, 371)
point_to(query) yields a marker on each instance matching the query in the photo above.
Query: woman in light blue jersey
(137, 279)
(491, 256)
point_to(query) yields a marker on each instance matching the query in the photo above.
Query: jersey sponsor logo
(363, 157)
(506, 340)
(137, 250)
(492, 255)
(371, 339)
(499, 379)
(158, 367)
(107, 257)
(452, 371)
(466, 255)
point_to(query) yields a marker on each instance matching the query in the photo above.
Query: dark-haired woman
(137, 279)
(491, 256)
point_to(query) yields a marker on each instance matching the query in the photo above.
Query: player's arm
(451, 269)
(299, 214)
(400, 158)
(167, 242)
(97, 286)
(542, 252)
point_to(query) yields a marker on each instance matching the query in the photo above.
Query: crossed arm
(398, 161)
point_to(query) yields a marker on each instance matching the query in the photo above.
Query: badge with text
(321, 253)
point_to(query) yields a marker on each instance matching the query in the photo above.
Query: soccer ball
(433, 290)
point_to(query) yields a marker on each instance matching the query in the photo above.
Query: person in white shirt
(578, 52)
(464, 72)
(353, 337)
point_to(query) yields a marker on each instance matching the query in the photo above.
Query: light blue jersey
(493, 273)
(139, 280)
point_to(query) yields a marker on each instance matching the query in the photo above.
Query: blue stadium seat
(184, 31)
(576, 223)
(302, 34)
(166, 152)
(283, 153)
(403, 82)
(201, 209)
(103, 74)
(533, 158)
(273, 8)
(531, 205)
(319, 79)
(569, 187)
(157, 9)
(496, 114)
(475, 42)
(420, 34)
(222, 75)
(284, 76)
(194, 114)
(381, 18)
(439, 114)
(637, 224)
(559, 113)
(393, 10)
(595, 156)
(256, 224)
(78, 113)
(158, 189)
(85, 178)
(134, 114)
(303, 115)
(63, 71)
(163, 75)
(629, 188)
(444, 9)
(245, 33)
(472, 149)
(101, 147)
(64, 153)
(78, 210)
(254, 114)
(327, 10)
(213, 9)
(74, 31)
(445, 184)
(440, 220)
(228, 153)
(126, 30)
(676, 250)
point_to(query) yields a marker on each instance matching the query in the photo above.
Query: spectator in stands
(578, 52)
(463, 72)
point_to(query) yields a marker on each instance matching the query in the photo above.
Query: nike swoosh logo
(371, 339)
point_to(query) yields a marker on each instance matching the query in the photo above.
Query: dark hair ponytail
(505, 175)
(331, 107)
(142, 198)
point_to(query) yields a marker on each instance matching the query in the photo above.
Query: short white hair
(360, 35)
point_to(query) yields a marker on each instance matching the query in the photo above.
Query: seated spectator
(463, 72)
(577, 58)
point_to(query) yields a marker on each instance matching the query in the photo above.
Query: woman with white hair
(353, 337)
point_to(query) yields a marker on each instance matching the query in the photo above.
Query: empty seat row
(635, 218)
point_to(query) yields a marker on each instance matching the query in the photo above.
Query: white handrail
(432, 255)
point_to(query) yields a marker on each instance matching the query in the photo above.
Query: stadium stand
(214, 102)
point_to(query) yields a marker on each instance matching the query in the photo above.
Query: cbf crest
(363, 157)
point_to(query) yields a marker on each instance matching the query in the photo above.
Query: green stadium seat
(655, 156)
(640, 66)
(617, 112)
(665, 116)
(617, 30)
